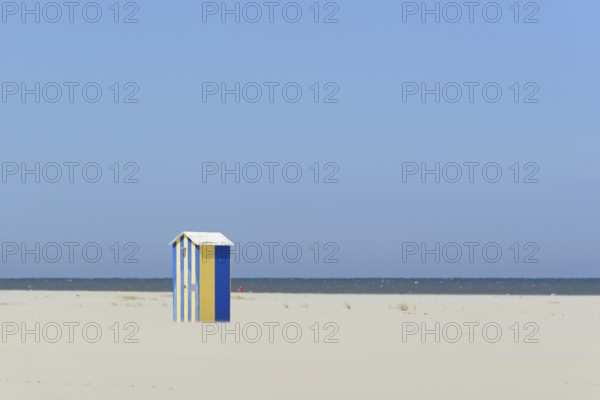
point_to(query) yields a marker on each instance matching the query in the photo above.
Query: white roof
(199, 238)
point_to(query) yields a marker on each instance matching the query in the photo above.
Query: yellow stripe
(178, 279)
(186, 291)
(193, 280)
(207, 283)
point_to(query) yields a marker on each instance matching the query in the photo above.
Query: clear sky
(364, 123)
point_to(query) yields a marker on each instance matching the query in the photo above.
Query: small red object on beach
(241, 289)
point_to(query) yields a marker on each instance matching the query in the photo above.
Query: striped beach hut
(201, 277)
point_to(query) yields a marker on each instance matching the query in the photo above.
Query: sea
(465, 286)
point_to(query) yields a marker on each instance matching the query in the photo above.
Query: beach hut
(201, 277)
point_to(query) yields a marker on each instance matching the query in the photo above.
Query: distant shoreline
(467, 286)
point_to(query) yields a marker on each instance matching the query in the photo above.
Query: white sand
(370, 359)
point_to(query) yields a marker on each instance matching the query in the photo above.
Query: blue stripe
(189, 268)
(174, 281)
(222, 284)
(197, 266)
(181, 282)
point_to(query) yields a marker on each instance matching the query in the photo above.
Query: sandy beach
(118, 345)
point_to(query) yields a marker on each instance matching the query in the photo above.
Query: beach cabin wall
(201, 277)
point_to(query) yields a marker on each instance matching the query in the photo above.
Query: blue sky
(369, 220)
